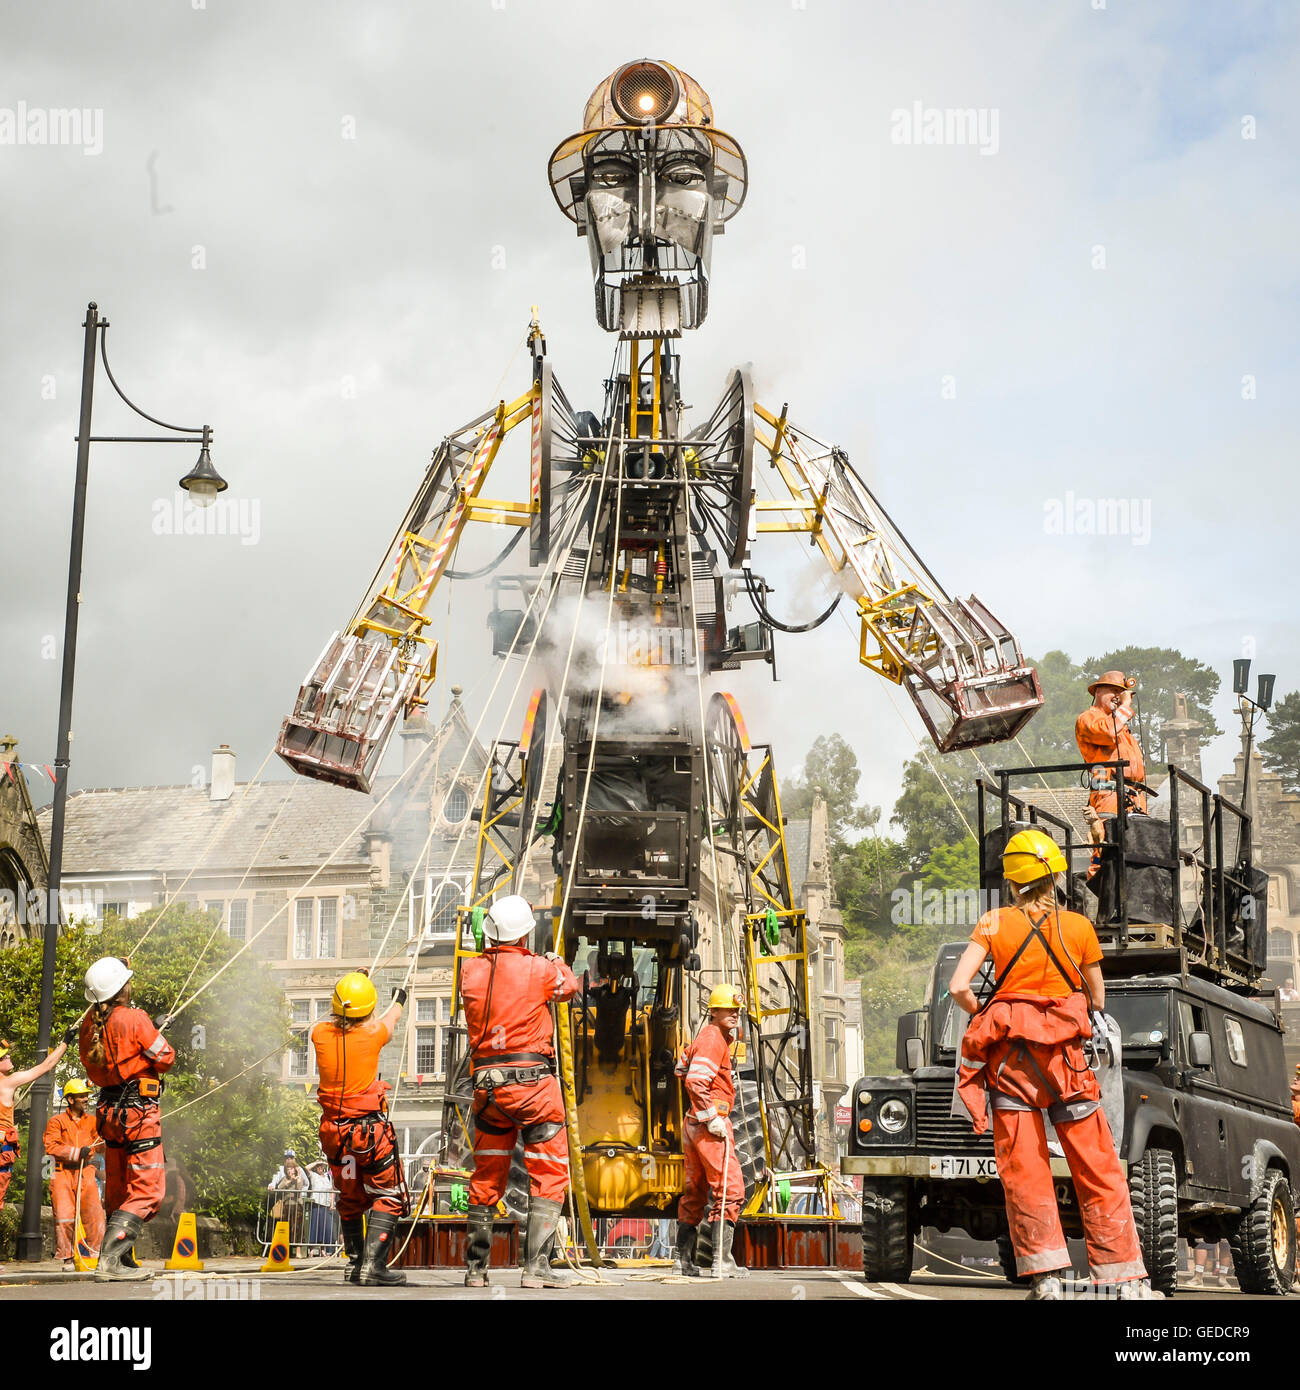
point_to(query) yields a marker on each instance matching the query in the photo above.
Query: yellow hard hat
(75, 1087)
(725, 997)
(1031, 854)
(354, 996)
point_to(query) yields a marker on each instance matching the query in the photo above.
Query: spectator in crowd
(288, 1190)
(1288, 994)
(323, 1221)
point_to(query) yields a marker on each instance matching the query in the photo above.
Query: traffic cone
(83, 1257)
(185, 1250)
(278, 1261)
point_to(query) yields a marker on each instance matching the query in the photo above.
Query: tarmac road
(235, 1280)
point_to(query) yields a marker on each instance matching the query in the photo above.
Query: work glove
(162, 1022)
(83, 1153)
(72, 1034)
(717, 1126)
(399, 995)
(553, 955)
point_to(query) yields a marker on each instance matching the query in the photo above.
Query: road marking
(908, 1293)
(862, 1291)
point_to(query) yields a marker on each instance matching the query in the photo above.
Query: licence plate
(963, 1166)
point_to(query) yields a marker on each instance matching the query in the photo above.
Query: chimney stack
(222, 783)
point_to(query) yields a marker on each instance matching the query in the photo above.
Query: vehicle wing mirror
(1198, 1048)
(909, 1051)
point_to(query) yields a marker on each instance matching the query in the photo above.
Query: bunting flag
(30, 767)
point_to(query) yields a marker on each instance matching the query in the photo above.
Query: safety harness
(137, 1096)
(1060, 1109)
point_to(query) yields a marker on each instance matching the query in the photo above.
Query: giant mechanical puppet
(641, 527)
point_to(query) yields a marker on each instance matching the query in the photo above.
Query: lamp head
(203, 482)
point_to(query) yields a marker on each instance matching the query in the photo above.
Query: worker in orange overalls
(356, 1134)
(125, 1055)
(1103, 735)
(1023, 1053)
(709, 1143)
(71, 1139)
(507, 993)
(11, 1082)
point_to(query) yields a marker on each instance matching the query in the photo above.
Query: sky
(319, 228)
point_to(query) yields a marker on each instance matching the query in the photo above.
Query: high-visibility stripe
(156, 1046)
(545, 1157)
(493, 1153)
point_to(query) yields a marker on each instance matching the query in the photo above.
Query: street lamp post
(203, 483)
(1250, 710)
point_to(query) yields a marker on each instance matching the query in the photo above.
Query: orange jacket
(507, 992)
(1094, 732)
(348, 1062)
(66, 1135)
(1051, 1031)
(705, 1067)
(133, 1047)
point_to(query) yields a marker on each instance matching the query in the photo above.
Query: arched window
(455, 805)
(1279, 945)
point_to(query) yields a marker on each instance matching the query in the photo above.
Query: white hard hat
(509, 919)
(105, 979)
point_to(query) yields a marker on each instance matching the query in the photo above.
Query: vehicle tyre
(887, 1234)
(1007, 1259)
(1153, 1188)
(1264, 1242)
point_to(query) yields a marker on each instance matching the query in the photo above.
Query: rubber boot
(374, 1270)
(478, 1248)
(123, 1227)
(1048, 1287)
(543, 1218)
(684, 1245)
(730, 1269)
(353, 1240)
(702, 1255)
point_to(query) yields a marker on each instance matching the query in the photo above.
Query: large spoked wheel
(1153, 1187)
(1264, 1242)
(888, 1238)
(723, 468)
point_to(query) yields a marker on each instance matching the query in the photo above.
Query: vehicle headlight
(893, 1116)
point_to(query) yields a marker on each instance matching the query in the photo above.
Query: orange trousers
(537, 1112)
(63, 1198)
(703, 1157)
(365, 1165)
(134, 1176)
(1024, 1167)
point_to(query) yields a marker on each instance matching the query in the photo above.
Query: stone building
(24, 865)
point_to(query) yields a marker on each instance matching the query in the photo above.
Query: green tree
(1049, 735)
(1161, 673)
(894, 972)
(1280, 751)
(936, 807)
(831, 767)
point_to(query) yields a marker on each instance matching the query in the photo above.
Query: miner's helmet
(724, 997)
(1030, 855)
(75, 1087)
(354, 996)
(642, 93)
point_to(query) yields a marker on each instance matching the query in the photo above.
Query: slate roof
(150, 829)
(147, 829)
